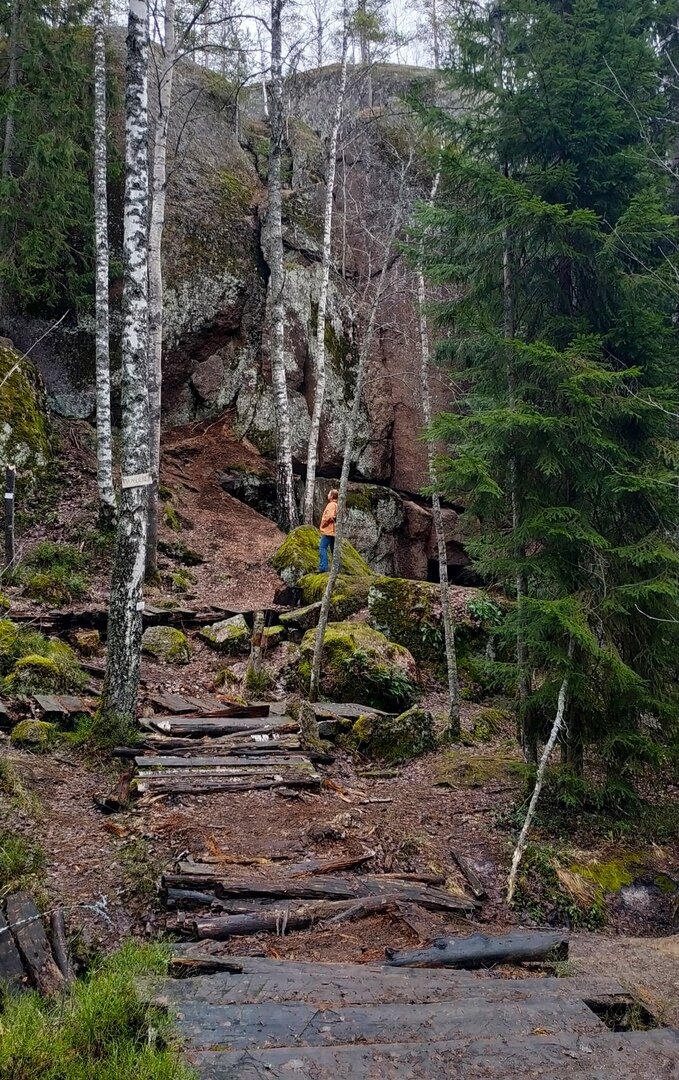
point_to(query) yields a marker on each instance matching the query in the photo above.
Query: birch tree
(117, 709)
(287, 508)
(156, 227)
(350, 440)
(326, 257)
(446, 611)
(107, 497)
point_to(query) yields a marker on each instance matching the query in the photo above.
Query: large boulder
(166, 643)
(229, 635)
(350, 594)
(394, 738)
(409, 612)
(24, 435)
(34, 734)
(361, 665)
(299, 555)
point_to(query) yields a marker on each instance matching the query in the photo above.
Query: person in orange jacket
(328, 522)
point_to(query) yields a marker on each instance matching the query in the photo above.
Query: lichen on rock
(229, 635)
(24, 434)
(393, 738)
(361, 665)
(166, 643)
(299, 555)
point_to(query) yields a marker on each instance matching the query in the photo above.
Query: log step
(604, 1056)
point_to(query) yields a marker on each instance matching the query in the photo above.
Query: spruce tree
(553, 231)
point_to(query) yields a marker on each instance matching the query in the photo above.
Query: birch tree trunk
(157, 224)
(287, 508)
(107, 496)
(319, 391)
(363, 357)
(117, 709)
(539, 779)
(446, 611)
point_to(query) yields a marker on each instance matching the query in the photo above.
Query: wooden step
(202, 1025)
(646, 1055)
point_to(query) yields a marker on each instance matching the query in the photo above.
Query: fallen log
(328, 866)
(278, 918)
(480, 950)
(11, 966)
(203, 784)
(60, 945)
(282, 759)
(31, 941)
(206, 726)
(473, 880)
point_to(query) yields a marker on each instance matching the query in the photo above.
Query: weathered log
(279, 918)
(188, 898)
(205, 726)
(60, 945)
(328, 866)
(281, 760)
(31, 940)
(199, 783)
(480, 950)
(473, 880)
(11, 966)
(423, 879)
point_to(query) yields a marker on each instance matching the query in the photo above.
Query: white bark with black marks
(106, 491)
(349, 446)
(453, 729)
(287, 507)
(157, 224)
(539, 780)
(326, 258)
(126, 600)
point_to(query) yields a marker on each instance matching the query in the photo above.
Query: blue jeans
(327, 544)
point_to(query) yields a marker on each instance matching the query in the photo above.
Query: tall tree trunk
(158, 193)
(126, 602)
(12, 82)
(540, 778)
(319, 392)
(350, 439)
(287, 507)
(446, 610)
(107, 496)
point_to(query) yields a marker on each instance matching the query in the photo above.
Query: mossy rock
(229, 636)
(171, 517)
(394, 738)
(166, 643)
(34, 734)
(87, 642)
(180, 552)
(5, 602)
(24, 432)
(488, 723)
(299, 555)
(273, 635)
(22, 667)
(349, 595)
(361, 665)
(458, 769)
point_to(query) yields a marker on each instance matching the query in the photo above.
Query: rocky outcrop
(393, 738)
(24, 436)
(167, 644)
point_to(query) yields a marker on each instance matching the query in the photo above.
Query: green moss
(457, 769)
(393, 738)
(273, 635)
(361, 665)
(343, 355)
(545, 890)
(34, 734)
(166, 643)
(5, 602)
(610, 876)
(180, 580)
(171, 517)
(488, 723)
(229, 636)
(21, 652)
(298, 555)
(52, 573)
(180, 552)
(24, 434)
(349, 596)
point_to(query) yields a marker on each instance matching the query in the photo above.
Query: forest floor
(467, 798)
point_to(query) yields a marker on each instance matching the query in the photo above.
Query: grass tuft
(20, 863)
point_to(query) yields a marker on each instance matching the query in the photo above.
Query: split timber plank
(246, 1026)
(282, 760)
(647, 1055)
(373, 986)
(11, 968)
(172, 703)
(345, 710)
(31, 940)
(50, 704)
(203, 784)
(215, 725)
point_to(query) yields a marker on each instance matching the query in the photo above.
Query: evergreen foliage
(554, 232)
(46, 210)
